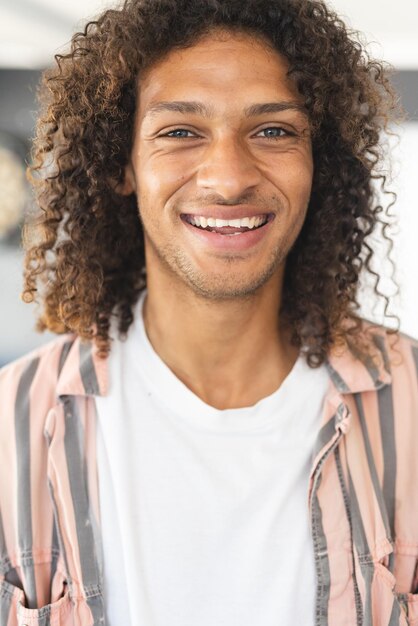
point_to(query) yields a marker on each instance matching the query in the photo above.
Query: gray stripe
(321, 561)
(44, 618)
(415, 356)
(318, 535)
(87, 371)
(13, 578)
(5, 605)
(24, 496)
(59, 535)
(357, 596)
(64, 353)
(95, 529)
(387, 429)
(365, 559)
(396, 613)
(368, 570)
(96, 606)
(372, 466)
(324, 436)
(380, 343)
(3, 548)
(55, 554)
(73, 441)
(340, 384)
(369, 365)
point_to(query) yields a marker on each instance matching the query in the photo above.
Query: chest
(361, 571)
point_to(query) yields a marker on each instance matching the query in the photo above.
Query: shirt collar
(83, 372)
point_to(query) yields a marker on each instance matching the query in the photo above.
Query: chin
(220, 289)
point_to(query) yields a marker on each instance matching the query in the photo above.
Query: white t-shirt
(204, 511)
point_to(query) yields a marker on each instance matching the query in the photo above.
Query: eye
(275, 132)
(179, 133)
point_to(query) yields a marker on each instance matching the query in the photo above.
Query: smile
(227, 227)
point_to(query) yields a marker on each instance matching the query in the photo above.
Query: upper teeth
(248, 222)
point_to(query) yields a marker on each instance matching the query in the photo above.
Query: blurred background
(32, 31)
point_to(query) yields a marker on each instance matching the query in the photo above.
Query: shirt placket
(328, 441)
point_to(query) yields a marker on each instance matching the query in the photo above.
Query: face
(220, 134)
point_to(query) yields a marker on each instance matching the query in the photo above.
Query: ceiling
(32, 31)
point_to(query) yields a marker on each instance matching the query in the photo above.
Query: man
(217, 437)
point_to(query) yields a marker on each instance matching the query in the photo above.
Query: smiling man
(223, 186)
(217, 437)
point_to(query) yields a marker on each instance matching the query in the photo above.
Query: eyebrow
(198, 108)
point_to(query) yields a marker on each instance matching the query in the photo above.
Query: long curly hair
(84, 246)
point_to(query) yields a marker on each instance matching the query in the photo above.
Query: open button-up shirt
(362, 493)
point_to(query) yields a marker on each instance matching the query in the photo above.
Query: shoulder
(40, 366)
(394, 350)
(396, 355)
(403, 355)
(64, 366)
(398, 351)
(373, 358)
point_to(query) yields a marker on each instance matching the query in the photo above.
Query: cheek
(301, 180)
(157, 191)
(161, 179)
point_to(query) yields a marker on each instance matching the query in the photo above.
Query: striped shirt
(362, 496)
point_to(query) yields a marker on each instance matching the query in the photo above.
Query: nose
(228, 169)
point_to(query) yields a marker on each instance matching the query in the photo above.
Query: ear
(128, 185)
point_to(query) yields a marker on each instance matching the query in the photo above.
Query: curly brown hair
(85, 249)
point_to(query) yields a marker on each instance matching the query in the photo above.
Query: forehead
(225, 63)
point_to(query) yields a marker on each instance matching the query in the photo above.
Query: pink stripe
(70, 381)
(9, 381)
(372, 417)
(42, 513)
(360, 473)
(405, 397)
(382, 596)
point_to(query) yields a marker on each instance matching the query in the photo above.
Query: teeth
(245, 222)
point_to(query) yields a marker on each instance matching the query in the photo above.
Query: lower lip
(243, 241)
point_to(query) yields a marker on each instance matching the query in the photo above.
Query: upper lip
(228, 213)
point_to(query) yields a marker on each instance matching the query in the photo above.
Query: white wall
(31, 31)
(404, 177)
(390, 28)
(406, 186)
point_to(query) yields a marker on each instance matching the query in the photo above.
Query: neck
(231, 353)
